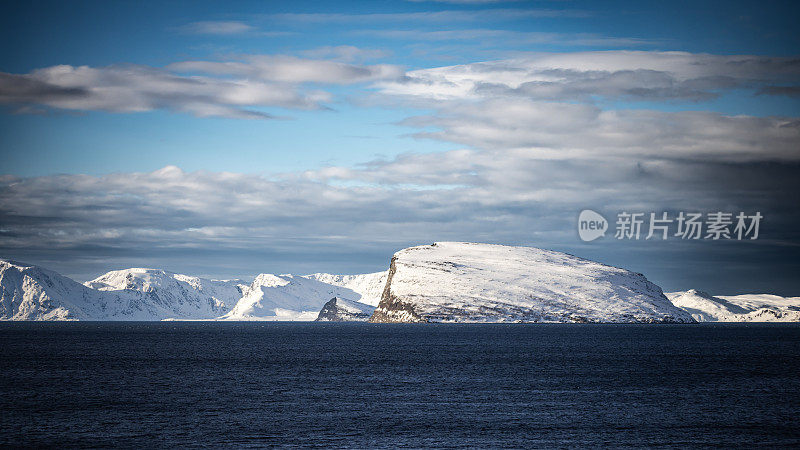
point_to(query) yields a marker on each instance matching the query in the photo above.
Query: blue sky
(352, 106)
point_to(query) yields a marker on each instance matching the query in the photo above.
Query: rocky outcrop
(391, 308)
(341, 310)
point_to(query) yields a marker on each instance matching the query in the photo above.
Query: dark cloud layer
(234, 224)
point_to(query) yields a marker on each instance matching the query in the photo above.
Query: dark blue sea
(189, 384)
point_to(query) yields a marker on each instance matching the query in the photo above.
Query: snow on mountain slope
(368, 286)
(737, 308)
(444, 282)
(33, 293)
(286, 297)
(341, 310)
(184, 296)
(464, 282)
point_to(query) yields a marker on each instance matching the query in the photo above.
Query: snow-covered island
(466, 282)
(443, 282)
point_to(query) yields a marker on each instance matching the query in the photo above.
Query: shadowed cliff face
(391, 309)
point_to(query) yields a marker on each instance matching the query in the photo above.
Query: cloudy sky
(228, 139)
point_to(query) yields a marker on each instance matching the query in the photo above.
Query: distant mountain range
(33, 293)
(443, 282)
(737, 308)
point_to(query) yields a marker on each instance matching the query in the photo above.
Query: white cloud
(465, 2)
(217, 27)
(611, 74)
(448, 16)
(346, 53)
(228, 89)
(573, 131)
(290, 69)
(546, 103)
(503, 37)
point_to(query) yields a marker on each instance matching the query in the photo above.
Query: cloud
(15, 88)
(347, 53)
(536, 150)
(466, 2)
(233, 89)
(511, 196)
(503, 37)
(627, 75)
(448, 16)
(128, 89)
(548, 104)
(217, 27)
(290, 69)
(789, 91)
(574, 131)
(230, 28)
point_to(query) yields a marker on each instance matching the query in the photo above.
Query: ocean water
(192, 384)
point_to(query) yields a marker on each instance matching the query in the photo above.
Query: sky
(226, 139)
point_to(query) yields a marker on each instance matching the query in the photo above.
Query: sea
(361, 385)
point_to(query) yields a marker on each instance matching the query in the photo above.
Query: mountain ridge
(737, 308)
(30, 292)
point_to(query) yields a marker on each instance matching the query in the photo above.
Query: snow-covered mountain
(737, 308)
(444, 282)
(285, 297)
(341, 310)
(33, 293)
(465, 282)
(290, 297)
(368, 286)
(182, 295)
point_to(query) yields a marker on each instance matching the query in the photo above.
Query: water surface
(389, 385)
